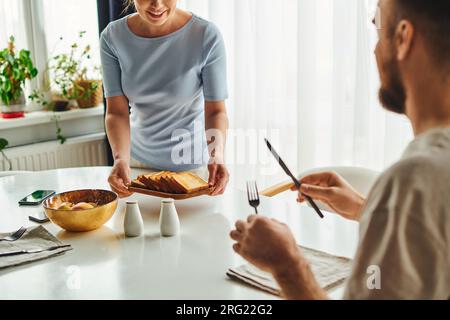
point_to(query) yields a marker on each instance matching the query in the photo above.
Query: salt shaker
(168, 218)
(133, 224)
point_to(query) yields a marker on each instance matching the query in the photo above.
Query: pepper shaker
(133, 223)
(169, 223)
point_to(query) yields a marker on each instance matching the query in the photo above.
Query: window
(11, 23)
(65, 19)
(39, 25)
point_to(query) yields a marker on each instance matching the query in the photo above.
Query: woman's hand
(119, 178)
(333, 190)
(218, 177)
(216, 125)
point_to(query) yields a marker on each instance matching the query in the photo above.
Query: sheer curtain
(13, 15)
(340, 119)
(303, 73)
(11, 23)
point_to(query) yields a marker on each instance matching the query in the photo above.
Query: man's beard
(392, 94)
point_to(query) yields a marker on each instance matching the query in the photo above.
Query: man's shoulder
(414, 186)
(420, 167)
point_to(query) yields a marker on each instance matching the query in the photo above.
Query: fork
(15, 236)
(253, 195)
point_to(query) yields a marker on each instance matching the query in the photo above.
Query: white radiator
(89, 150)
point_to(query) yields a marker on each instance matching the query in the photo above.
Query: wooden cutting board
(176, 196)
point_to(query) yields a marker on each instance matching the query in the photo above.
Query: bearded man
(405, 220)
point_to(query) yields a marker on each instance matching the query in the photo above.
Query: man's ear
(404, 36)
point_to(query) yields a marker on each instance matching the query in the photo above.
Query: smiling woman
(169, 66)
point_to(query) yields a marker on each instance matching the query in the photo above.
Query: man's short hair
(432, 19)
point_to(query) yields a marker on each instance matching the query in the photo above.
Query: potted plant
(15, 69)
(70, 74)
(3, 145)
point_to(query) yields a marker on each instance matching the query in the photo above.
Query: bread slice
(156, 181)
(171, 182)
(145, 179)
(165, 183)
(174, 185)
(189, 182)
(138, 184)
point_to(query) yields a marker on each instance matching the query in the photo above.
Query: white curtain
(11, 23)
(303, 73)
(13, 15)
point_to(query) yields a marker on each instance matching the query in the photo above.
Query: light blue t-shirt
(166, 80)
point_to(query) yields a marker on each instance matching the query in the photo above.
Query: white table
(104, 264)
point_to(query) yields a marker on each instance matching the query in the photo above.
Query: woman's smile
(157, 14)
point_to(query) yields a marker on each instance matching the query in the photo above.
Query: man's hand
(266, 243)
(334, 191)
(119, 178)
(218, 177)
(270, 246)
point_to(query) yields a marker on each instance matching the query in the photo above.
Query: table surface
(104, 264)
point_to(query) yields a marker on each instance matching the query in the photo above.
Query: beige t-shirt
(404, 249)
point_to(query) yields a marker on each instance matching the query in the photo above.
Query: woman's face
(156, 12)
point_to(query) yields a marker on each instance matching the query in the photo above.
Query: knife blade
(294, 179)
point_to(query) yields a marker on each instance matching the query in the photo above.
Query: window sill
(39, 126)
(41, 117)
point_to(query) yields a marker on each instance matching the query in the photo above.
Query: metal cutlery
(15, 236)
(16, 252)
(289, 173)
(253, 195)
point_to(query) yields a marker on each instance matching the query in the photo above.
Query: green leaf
(33, 72)
(24, 55)
(3, 143)
(7, 85)
(16, 74)
(10, 59)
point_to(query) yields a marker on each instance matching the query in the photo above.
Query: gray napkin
(330, 272)
(34, 238)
